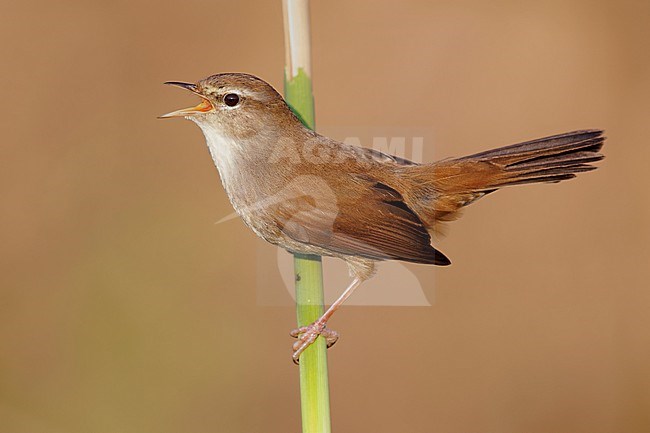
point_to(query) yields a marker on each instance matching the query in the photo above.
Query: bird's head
(235, 105)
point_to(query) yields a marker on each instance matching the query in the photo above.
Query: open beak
(203, 107)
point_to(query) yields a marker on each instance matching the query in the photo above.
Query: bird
(314, 195)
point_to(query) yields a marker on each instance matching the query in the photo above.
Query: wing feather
(370, 221)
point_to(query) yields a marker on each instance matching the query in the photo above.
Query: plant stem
(314, 385)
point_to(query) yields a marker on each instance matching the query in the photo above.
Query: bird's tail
(549, 159)
(444, 187)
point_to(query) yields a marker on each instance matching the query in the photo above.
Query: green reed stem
(314, 384)
(310, 298)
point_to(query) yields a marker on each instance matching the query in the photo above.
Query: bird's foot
(306, 335)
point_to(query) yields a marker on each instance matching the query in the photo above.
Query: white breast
(230, 159)
(224, 151)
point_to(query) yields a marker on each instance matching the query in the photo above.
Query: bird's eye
(231, 99)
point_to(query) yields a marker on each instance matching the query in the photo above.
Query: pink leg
(306, 335)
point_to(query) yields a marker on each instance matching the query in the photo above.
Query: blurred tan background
(124, 308)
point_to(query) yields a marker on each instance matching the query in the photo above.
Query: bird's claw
(306, 335)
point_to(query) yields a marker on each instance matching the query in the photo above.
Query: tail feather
(590, 139)
(550, 159)
(566, 160)
(443, 188)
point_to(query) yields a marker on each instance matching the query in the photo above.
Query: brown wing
(364, 218)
